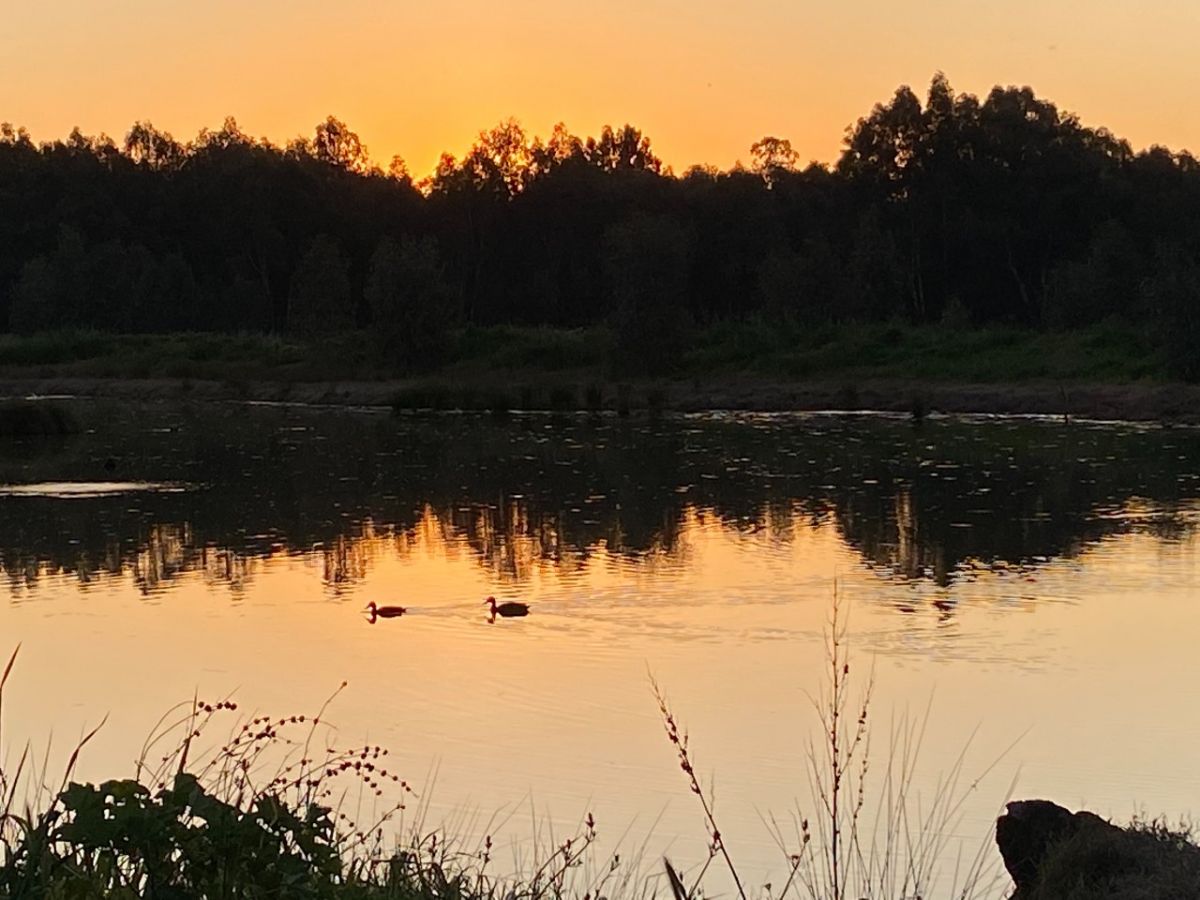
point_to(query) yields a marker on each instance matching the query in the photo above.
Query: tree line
(947, 209)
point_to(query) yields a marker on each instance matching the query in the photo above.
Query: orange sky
(704, 79)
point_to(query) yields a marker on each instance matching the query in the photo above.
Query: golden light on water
(728, 621)
(1037, 581)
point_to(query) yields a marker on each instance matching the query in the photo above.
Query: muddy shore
(1168, 403)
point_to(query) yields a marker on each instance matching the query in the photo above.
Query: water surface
(1037, 580)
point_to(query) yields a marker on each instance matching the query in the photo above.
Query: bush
(411, 305)
(270, 813)
(319, 302)
(1146, 861)
(1174, 293)
(646, 265)
(113, 285)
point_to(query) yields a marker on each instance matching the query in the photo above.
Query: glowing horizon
(703, 81)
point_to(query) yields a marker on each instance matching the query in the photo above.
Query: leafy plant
(265, 813)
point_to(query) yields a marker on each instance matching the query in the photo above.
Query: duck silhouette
(507, 610)
(383, 612)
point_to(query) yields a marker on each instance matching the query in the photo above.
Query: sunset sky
(703, 79)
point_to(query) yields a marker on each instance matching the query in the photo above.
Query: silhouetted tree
(319, 301)
(36, 298)
(646, 266)
(498, 163)
(950, 208)
(398, 170)
(54, 290)
(1106, 283)
(336, 145)
(625, 148)
(1173, 295)
(148, 146)
(411, 305)
(772, 156)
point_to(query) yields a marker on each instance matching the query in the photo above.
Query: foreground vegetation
(1148, 860)
(865, 830)
(273, 810)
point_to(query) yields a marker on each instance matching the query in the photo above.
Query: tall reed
(869, 833)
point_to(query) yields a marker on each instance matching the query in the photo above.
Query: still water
(1027, 581)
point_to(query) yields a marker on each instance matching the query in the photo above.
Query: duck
(508, 609)
(384, 612)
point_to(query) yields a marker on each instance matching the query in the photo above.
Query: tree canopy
(1003, 209)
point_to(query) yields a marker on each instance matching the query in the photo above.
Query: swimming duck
(508, 609)
(384, 612)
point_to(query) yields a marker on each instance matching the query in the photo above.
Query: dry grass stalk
(869, 838)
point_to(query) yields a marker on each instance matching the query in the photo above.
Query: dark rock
(1025, 832)
(1051, 852)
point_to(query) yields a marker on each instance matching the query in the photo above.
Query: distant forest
(954, 210)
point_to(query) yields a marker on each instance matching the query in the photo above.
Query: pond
(1026, 589)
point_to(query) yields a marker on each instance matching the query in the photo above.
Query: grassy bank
(1105, 372)
(757, 350)
(1148, 860)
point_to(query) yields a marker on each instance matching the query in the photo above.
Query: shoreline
(1165, 403)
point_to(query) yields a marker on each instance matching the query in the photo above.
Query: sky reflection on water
(1036, 579)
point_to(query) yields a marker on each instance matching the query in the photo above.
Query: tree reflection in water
(340, 486)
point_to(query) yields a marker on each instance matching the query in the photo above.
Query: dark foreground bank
(1053, 854)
